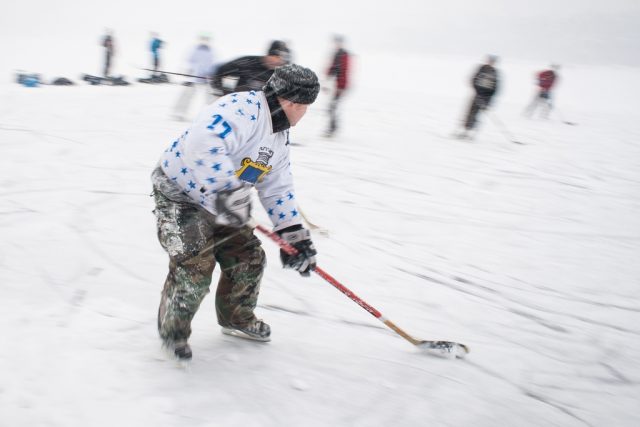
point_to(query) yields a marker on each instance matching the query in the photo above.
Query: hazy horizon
(570, 31)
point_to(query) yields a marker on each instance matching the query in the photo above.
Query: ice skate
(257, 331)
(179, 348)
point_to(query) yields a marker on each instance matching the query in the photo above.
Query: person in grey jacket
(201, 66)
(202, 190)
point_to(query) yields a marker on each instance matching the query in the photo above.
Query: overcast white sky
(566, 31)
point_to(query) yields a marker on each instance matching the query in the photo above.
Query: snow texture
(526, 253)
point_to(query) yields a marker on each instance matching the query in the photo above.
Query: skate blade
(239, 334)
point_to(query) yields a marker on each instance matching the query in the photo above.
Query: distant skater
(485, 84)
(250, 72)
(201, 66)
(154, 46)
(339, 70)
(109, 50)
(545, 80)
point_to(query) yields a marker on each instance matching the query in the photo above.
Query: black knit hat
(278, 47)
(294, 83)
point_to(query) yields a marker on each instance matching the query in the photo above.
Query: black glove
(299, 238)
(234, 206)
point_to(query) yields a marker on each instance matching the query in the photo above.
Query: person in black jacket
(485, 84)
(251, 72)
(109, 50)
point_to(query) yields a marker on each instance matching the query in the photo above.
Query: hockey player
(251, 72)
(339, 70)
(545, 81)
(485, 85)
(203, 205)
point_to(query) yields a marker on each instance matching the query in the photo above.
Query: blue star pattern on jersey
(219, 171)
(283, 210)
(228, 136)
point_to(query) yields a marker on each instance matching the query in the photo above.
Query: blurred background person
(250, 72)
(485, 83)
(545, 81)
(201, 66)
(339, 72)
(108, 44)
(154, 46)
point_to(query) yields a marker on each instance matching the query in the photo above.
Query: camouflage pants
(194, 244)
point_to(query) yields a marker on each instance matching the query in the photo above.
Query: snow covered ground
(527, 253)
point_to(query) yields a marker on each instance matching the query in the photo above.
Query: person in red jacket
(339, 70)
(545, 80)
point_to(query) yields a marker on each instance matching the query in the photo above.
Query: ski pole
(311, 225)
(441, 347)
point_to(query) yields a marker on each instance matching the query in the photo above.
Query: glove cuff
(289, 229)
(297, 237)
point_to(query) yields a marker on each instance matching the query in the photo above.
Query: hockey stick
(562, 118)
(218, 242)
(443, 348)
(177, 74)
(503, 128)
(311, 225)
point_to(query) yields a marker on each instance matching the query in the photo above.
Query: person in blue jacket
(155, 46)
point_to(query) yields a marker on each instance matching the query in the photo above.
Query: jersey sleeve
(277, 194)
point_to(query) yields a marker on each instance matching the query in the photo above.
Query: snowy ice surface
(527, 253)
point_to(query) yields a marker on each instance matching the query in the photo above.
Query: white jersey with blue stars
(232, 141)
